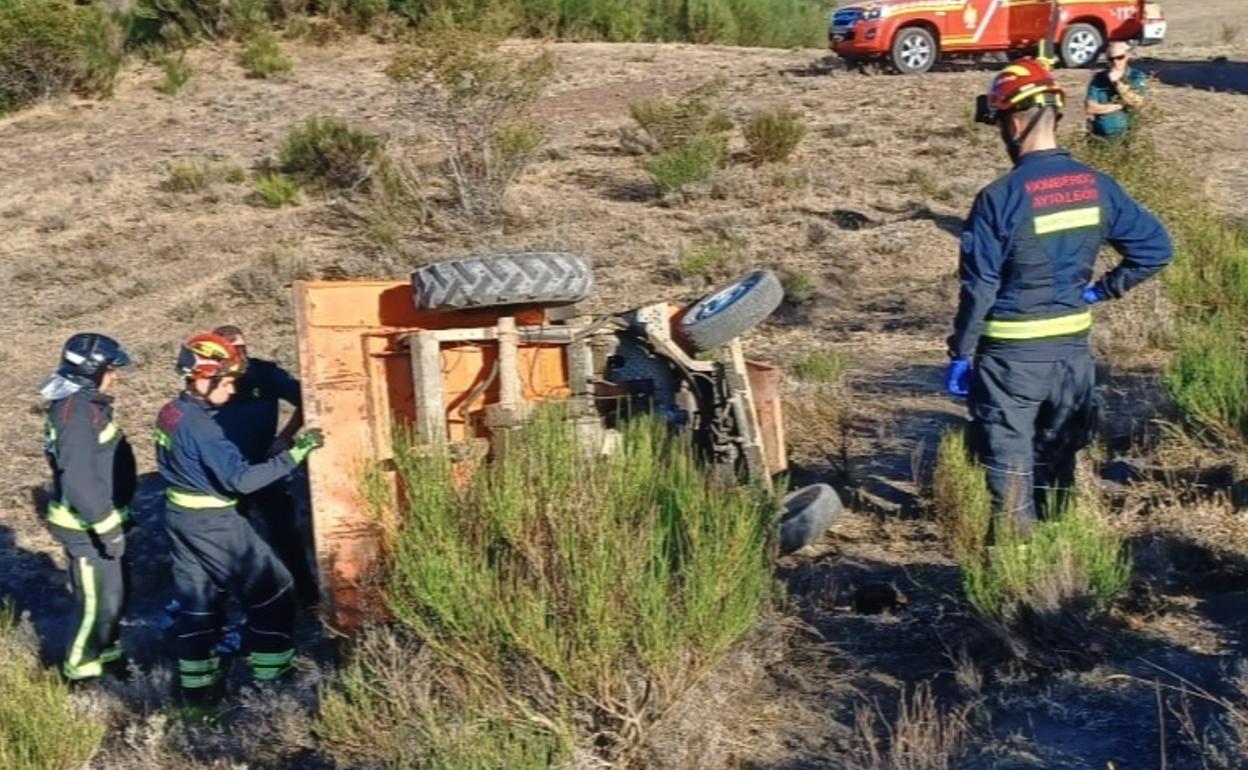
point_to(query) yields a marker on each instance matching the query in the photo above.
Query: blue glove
(958, 377)
(1094, 294)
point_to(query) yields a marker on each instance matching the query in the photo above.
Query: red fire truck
(914, 34)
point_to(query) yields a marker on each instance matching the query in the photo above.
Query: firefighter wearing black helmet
(94, 480)
(1019, 350)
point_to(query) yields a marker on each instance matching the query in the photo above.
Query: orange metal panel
(358, 388)
(765, 385)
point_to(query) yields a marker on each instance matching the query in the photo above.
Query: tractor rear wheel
(807, 514)
(731, 310)
(491, 280)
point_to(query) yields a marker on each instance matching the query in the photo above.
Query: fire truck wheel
(914, 51)
(490, 280)
(806, 515)
(1081, 44)
(731, 310)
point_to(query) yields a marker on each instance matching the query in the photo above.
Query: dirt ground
(870, 208)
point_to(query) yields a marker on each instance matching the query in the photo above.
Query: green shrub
(799, 287)
(821, 366)
(673, 124)
(1208, 376)
(1071, 562)
(248, 18)
(297, 27)
(39, 727)
(777, 23)
(177, 23)
(675, 170)
(177, 71)
(1208, 281)
(710, 260)
(360, 15)
(51, 47)
(190, 176)
(385, 707)
(772, 136)
(187, 176)
(557, 579)
(480, 101)
(327, 151)
(960, 495)
(262, 56)
(277, 190)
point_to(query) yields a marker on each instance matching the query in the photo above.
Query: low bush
(39, 727)
(480, 103)
(800, 287)
(1207, 283)
(772, 136)
(675, 170)
(821, 366)
(1071, 563)
(53, 47)
(1208, 376)
(329, 152)
(176, 70)
(711, 260)
(564, 598)
(777, 23)
(672, 124)
(177, 23)
(262, 56)
(277, 190)
(190, 176)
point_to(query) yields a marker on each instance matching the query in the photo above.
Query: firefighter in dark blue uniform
(250, 420)
(94, 481)
(215, 550)
(1020, 343)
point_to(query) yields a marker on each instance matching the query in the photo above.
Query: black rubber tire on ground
(1081, 45)
(806, 515)
(490, 280)
(915, 51)
(731, 310)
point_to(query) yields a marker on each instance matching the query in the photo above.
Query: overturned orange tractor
(459, 355)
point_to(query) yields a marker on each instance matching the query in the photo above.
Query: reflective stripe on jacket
(1029, 248)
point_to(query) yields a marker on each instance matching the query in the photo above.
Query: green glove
(305, 442)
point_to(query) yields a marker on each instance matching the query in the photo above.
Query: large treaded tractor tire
(731, 310)
(491, 280)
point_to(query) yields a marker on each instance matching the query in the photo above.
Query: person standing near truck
(215, 550)
(250, 420)
(1019, 350)
(1115, 94)
(94, 481)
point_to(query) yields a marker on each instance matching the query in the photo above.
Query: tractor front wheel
(806, 515)
(731, 310)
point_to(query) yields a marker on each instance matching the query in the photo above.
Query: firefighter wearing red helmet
(1019, 351)
(215, 550)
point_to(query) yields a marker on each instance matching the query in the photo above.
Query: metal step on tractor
(462, 352)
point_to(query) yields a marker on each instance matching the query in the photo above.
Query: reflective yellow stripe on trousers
(1039, 329)
(63, 516)
(195, 500)
(75, 667)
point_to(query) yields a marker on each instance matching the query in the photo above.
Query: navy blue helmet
(89, 355)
